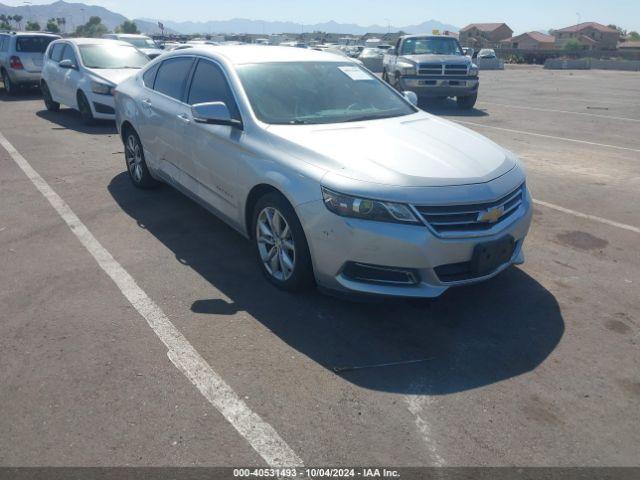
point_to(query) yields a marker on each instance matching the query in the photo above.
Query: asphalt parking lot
(538, 367)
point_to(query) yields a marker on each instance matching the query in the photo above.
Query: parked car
(81, 73)
(432, 66)
(372, 58)
(21, 58)
(487, 53)
(335, 176)
(143, 43)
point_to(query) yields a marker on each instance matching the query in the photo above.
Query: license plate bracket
(489, 256)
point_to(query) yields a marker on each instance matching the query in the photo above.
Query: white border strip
(611, 223)
(522, 132)
(260, 435)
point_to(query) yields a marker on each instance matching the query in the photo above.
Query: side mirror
(214, 113)
(412, 97)
(67, 64)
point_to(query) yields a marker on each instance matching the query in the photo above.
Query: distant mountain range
(78, 13)
(258, 27)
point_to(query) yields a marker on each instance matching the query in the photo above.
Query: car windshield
(318, 92)
(140, 42)
(431, 46)
(33, 44)
(112, 56)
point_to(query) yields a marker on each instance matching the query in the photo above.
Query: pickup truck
(432, 66)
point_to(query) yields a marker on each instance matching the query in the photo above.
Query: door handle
(147, 102)
(184, 117)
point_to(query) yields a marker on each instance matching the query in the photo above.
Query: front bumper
(425, 86)
(336, 242)
(102, 106)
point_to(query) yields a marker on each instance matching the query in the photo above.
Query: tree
(128, 26)
(93, 28)
(52, 26)
(33, 26)
(62, 22)
(4, 22)
(572, 45)
(18, 20)
(621, 31)
(634, 36)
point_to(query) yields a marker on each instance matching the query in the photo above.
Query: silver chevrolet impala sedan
(337, 179)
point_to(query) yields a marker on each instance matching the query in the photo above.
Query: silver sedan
(337, 179)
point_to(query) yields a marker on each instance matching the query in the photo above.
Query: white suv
(81, 73)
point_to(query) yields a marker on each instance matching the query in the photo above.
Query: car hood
(113, 75)
(413, 151)
(450, 59)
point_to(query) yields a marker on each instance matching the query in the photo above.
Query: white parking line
(550, 110)
(611, 223)
(522, 132)
(260, 435)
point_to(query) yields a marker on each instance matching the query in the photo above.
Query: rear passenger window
(210, 85)
(149, 76)
(4, 43)
(172, 76)
(56, 52)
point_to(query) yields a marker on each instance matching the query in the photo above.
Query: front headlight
(101, 88)
(366, 209)
(474, 70)
(407, 68)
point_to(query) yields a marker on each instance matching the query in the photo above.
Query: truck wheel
(396, 81)
(385, 75)
(467, 103)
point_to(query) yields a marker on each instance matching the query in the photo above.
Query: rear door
(30, 49)
(164, 113)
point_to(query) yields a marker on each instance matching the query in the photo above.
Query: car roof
(428, 35)
(33, 34)
(127, 35)
(243, 54)
(96, 41)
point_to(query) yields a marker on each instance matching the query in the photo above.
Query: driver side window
(210, 85)
(69, 54)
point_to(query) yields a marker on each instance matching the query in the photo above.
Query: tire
(282, 250)
(85, 109)
(135, 162)
(467, 103)
(48, 99)
(385, 75)
(10, 88)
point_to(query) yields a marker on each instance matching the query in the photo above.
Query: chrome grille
(430, 69)
(440, 69)
(455, 69)
(458, 220)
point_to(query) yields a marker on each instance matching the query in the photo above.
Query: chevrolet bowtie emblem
(491, 216)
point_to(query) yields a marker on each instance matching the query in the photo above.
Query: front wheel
(85, 109)
(385, 75)
(281, 245)
(467, 103)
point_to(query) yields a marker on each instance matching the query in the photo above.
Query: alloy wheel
(134, 158)
(275, 244)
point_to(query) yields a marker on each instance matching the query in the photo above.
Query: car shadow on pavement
(21, 95)
(449, 108)
(69, 119)
(471, 337)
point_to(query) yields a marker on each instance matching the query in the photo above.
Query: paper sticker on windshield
(355, 73)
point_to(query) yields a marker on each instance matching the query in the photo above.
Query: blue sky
(520, 15)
